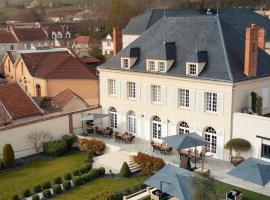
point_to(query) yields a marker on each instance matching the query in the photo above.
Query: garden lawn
(84, 192)
(222, 188)
(36, 172)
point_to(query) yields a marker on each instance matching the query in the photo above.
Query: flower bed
(93, 145)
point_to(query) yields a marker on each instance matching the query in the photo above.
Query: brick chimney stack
(117, 40)
(255, 37)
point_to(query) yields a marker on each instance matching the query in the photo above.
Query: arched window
(59, 35)
(211, 136)
(132, 122)
(38, 90)
(113, 118)
(183, 128)
(68, 35)
(53, 35)
(156, 127)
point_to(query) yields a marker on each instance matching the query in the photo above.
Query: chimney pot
(117, 39)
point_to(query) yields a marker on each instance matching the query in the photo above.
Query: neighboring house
(82, 15)
(83, 44)
(44, 73)
(107, 45)
(60, 16)
(188, 73)
(16, 104)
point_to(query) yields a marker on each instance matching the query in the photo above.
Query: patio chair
(234, 195)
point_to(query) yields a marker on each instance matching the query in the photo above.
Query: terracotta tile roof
(64, 97)
(7, 37)
(30, 34)
(16, 102)
(56, 65)
(83, 39)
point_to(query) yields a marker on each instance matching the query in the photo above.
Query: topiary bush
(46, 185)
(1, 164)
(57, 180)
(88, 167)
(125, 171)
(87, 177)
(57, 189)
(8, 156)
(35, 197)
(239, 145)
(15, 197)
(67, 185)
(26, 193)
(89, 157)
(67, 177)
(77, 180)
(70, 140)
(47, 194)
(101, 171)
(37, 189)
(55, 148)
(94, 173)
(76, 172)
(84, 170)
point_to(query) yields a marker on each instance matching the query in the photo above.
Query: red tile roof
(56, 65)
(7, 37)
(30, 34)
(16, 102)
(83, 39)
(90, 60)
(62, 98)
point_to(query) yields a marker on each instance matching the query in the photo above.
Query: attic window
(192, 69)
(161, 66)
(125, 63)
(151, 65)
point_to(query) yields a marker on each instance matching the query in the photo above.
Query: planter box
(236, 160)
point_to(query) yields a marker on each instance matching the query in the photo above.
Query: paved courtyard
(119, 152)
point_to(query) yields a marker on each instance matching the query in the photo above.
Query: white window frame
(156, 127)
(151, 65)
(163, 65)
(131, 90)
(68, 35)
(113, 117)
(184, 98)
(112, 87)
(59, 35)
(210, 135)
(156, 93)
(190, 69)
(211, 102)
(183, 127)
(54, 35)
(132, 122)
(125, 63)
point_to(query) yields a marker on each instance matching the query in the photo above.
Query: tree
(37, 138)
(204, 188)
(96, 53)
(239, 145)
(253, 101)
(259, 105)
(8, 156)
(125, 171)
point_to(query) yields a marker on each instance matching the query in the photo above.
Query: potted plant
(238, 145)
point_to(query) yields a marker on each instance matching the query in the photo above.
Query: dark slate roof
(222, 37)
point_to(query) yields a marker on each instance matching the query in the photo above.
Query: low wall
(59, 125)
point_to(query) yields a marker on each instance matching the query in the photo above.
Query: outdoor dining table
(125, 137)
(162, 146)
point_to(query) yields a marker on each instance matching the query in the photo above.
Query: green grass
(36, 172)
(100, 185)
(222, 188)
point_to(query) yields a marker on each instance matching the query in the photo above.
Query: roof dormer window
(151, 65)
(125, 63)
(192, 69)
(161, 66)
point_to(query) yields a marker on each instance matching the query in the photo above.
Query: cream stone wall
(7, 64)
(197, 119)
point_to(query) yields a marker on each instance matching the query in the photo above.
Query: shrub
(76, 172)
(37, 189)
(68, 177)
(253, 101)
(125, 171)
(15, 197)
(47, 193)
(55, 148)
(84, 170)
(57, 189)
(259, 101)
(239, 145)
(46, 185)
(93, 145)
(57, 180)
(87, 177)
(70, 140)
(101, 171)
(35, 197)
(149, 164)
(67, 185)
(8, 156)
(94, 173)
(26, 193)
(88, 167)
(89, 157)
(77, 180)
(1, 164)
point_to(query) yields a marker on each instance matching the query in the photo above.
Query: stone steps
(134, 167)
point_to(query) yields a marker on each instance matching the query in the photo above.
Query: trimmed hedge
(57, 189)
(125, 171)
(77, 180)
(87, 177)
(76, 172)
(55, 148)
(47, 193)
(57, 180)
(70, 140)
(15, 197)
(37, 189)
(35, 197)
(46, 185)
(26, 193)
(101, 171)
(8, 156)
(67, 185)
(67, 177)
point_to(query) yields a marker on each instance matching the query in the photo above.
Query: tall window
(60, 35)
(211, 102)
(132, 122)
(38, 90)
(156, 93)
(151, 65)
(112, 85)
(156, 127)
(211, 136)
(113, 118)
(192, 69)
(265, 151)
(125, 63)
(68, 35)
(161, 66)
(183, 128)
(183, 98)
(132, 90)
(108, 42)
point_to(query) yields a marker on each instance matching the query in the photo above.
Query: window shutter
(220, 104)
(163, 95)
(118, 88)
(138, 91)
(220, 144)
(200, 102)
(174, 96)
(147, 93)
(192, 99)
(124, 89)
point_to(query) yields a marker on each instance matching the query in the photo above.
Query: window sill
(211, 112)
(132, 99)
(184, 108)
(156, 102)
(113, 95)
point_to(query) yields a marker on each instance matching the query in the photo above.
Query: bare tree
(38, 137)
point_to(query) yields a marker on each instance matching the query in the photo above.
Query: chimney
(251, 50)
(117, 40)
(261, 38)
